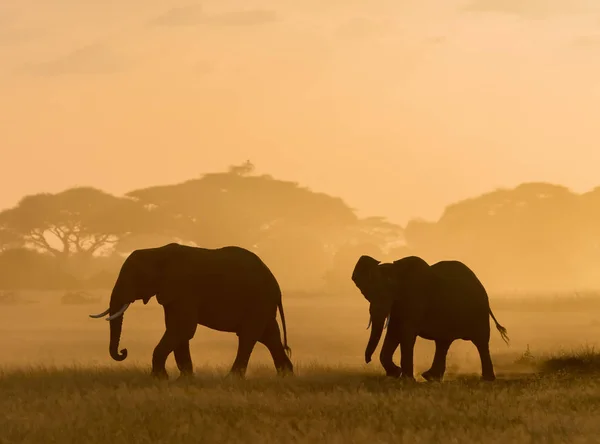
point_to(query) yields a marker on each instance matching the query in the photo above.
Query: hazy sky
(399, 107)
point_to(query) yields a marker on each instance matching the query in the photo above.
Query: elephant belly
(427, 335)
(447, 331)
(229, 312)
(445, 335)
(219, 316)
(452, 319)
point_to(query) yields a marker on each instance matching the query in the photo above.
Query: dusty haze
(398, 107)
(403, 117)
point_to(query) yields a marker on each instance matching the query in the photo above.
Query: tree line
(536, 236)
(78, 238)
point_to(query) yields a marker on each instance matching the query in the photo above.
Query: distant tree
(374, 236)
(26, 269)
(242, 209)
(288, 225)
(243, 169)
(587, 238)
(9, 239)
(378, 231)
(337, 276)
(522, 237)
(79, 221)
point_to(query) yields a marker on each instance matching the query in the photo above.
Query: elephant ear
(365, 272)
(167, 289)
(150, 268)
(167, 281)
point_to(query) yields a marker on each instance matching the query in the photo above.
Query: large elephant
(228, 289)
(442, 302)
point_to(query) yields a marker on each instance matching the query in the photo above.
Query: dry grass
(579, 362)
(59, 385)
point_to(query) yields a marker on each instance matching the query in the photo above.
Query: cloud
(11, 36)
(360, 27)
(91, 59)
(203, 67)
(527, 8)
(12, 32)
(587, 41)
(193, 15)
(436, 40)
(244, 18)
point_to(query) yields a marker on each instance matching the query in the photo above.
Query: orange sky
(398, 107)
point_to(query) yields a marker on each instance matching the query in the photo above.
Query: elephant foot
(285, 372)
(393, 371)
(160, 375)
(488, 378)
(236, 374)
(408, 378)
(431, 376)
(185, 376)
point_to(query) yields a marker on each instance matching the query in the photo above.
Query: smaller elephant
(442, 302)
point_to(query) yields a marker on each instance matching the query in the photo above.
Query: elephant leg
(161, 352)
(407, 347)
(181, 324)
(438, 367)
(487, 368)
(183, 359)
(390, 344)
(246, 343)
(271, 338)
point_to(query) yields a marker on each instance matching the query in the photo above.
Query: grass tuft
(583, 361)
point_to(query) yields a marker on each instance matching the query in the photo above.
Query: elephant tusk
(387, 321)
(119, 313)
(368, 326)
(104, 313)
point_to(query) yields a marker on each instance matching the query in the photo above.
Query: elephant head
(376, 286)
(137, 280)
(382, 285)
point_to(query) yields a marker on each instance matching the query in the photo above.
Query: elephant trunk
(116, 325)
(115, 335)
(376, 331)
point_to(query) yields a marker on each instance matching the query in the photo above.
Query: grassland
(58, 384)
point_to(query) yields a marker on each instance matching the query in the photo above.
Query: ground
(58, 383)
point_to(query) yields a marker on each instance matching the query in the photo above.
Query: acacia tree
(9, 239)
(292, 227)
(526, 237)
(80, 221)
(238, 208)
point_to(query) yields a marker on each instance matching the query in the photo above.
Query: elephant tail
(288, 350)
(500, 328)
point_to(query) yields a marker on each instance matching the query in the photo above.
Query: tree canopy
(292, 227)
(81, 220)
(231, 208)
(297, 231)
(535, 235)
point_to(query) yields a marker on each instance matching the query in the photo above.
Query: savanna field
(59, 385)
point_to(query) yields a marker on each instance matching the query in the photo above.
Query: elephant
(228, 289)
(442, 302)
